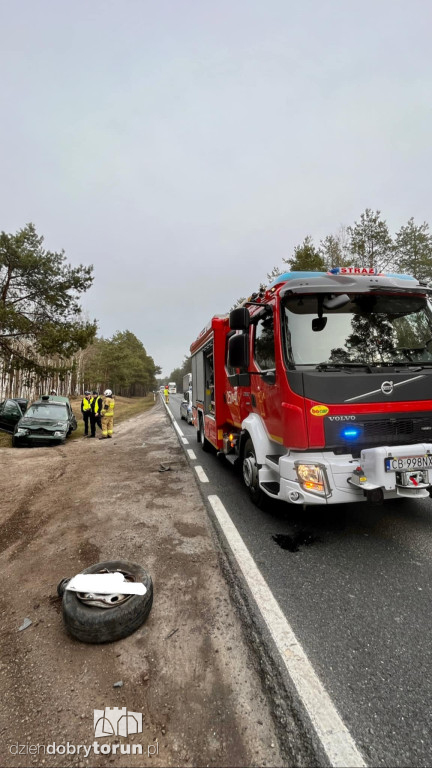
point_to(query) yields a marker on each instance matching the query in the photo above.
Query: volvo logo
(387, 387)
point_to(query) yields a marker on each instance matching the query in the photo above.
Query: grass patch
(5, 440)
(125, 408)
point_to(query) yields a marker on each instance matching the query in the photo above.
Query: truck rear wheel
(205, 445)
(250, 475)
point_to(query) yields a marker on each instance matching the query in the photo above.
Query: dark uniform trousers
(86, 414)
(95, 418)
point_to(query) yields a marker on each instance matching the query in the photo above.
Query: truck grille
(394, 429)
(397, 430)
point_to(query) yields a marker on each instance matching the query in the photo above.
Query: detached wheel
(205, 445)
(122, 614)
(250, 469)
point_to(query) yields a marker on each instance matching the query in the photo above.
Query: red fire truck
(320, 388)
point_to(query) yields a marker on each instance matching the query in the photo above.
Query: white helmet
(108, 393)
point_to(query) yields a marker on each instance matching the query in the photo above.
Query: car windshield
(44, 411)
(368, 329)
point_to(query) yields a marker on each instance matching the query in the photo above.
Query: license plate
(404, 463)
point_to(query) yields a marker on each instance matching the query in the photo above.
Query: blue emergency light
(351, 433)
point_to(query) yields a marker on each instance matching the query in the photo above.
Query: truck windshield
(370, 329)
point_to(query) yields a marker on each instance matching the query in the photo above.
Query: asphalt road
(354, 582)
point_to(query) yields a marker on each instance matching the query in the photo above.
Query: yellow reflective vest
(86, 404)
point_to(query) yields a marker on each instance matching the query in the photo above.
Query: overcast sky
(184, 147)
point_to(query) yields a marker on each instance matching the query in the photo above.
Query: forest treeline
(45, 342)
(366, 243)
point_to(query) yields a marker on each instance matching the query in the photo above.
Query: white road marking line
(185, 441)
(191, 454)
(201, 474)
(169, 411)
(177, 428)
(332, 732)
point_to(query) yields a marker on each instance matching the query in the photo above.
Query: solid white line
(191, 454)
(169, 411)
(185, 441)
(177, 428)
(201, 474)
(332, 732)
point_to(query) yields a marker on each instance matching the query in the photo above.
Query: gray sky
(184, 147)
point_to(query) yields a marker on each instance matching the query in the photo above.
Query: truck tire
(250, 469)
(91, 624)
(205, 445)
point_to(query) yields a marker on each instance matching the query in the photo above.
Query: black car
(11, 411)
(48, 420)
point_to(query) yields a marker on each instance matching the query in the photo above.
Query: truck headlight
(312, 477)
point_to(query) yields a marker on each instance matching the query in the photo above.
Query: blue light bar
(351, 433)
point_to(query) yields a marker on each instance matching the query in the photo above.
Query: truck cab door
(265, 386)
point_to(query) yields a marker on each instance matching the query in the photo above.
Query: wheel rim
(106, 601)
(250, 472)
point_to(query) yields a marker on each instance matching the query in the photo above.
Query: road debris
(164, 468)
(119, 684)
(172, 633)
(26, 623)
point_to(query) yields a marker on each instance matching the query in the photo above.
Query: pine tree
(370, 242)
(306, 258)
(414, 250)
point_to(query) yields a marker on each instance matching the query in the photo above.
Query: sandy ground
(188, 669)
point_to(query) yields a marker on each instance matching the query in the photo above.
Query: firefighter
(166, 393)
(86, 409)
(95, 417)
(107, 413)
(53, 392)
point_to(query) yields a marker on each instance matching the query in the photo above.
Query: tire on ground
(91, 624)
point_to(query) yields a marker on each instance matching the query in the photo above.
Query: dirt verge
(188, 670)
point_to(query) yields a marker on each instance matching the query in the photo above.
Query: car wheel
(15, 443)
(205, 445)
(250, 469)
(92, 624)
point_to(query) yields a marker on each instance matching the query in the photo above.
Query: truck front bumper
(380, 473)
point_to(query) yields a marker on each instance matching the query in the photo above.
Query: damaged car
(48, 420)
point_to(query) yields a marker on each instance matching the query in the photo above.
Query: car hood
(27, 422)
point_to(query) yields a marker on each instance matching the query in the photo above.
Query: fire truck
(319, 388)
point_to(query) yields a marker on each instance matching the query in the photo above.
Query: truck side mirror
(239, 319)
(238, 351)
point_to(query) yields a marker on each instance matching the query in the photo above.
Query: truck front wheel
(250, 475)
